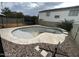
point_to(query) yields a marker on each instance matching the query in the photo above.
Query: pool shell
(34, 31)
(25, 47)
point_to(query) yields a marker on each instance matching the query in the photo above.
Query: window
(57, 16)
(74, 12)
(48, 13)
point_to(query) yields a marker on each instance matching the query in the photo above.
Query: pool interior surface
(31, 32)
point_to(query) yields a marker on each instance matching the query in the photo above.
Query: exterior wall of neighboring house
(56, 16)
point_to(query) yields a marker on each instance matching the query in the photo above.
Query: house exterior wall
(64, 14)
(48, 23)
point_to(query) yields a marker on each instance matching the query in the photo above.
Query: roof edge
(58, 9)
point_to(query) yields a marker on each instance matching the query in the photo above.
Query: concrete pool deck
(21, 48)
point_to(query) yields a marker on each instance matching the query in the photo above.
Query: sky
(33, 8)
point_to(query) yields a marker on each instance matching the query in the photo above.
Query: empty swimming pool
(32, 32)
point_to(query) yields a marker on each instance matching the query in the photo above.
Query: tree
(30, 19)
(35, 19)
(19, 15)
(6, 11)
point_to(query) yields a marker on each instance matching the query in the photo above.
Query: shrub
(67, 25)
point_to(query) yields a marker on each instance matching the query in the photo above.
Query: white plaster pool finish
(45, 37)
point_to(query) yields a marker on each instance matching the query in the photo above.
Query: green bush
(67, 25)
